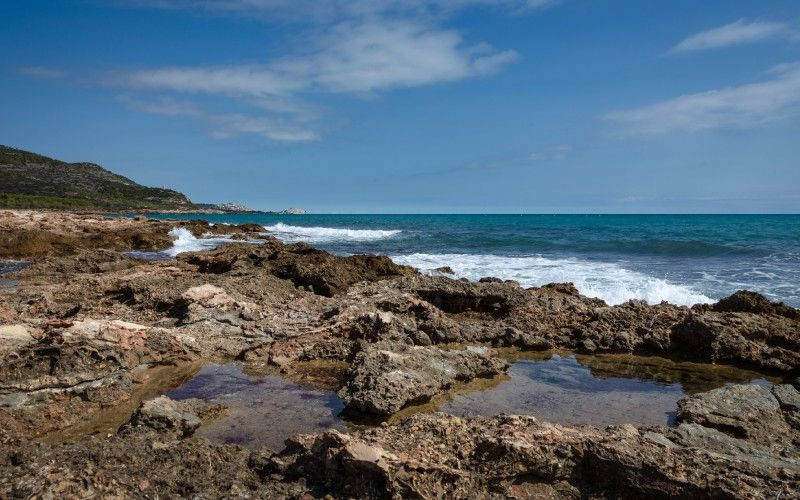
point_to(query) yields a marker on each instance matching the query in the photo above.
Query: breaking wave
(184, 241)
(293, 234)
(608, 281)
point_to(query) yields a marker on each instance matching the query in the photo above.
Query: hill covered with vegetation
(30, 180)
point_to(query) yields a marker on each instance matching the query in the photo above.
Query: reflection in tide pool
(266, 409)
(11, 266)
(596, 390)
(263, 410)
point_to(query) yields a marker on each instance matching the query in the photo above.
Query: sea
(682, 259)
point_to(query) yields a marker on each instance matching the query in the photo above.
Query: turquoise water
(680, 258)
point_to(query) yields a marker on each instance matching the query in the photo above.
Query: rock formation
(90, 338)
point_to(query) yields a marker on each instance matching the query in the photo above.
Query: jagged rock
(755, 303)
(25, 235)
(456, 297)
(766, 340)
(235, 228)
(388, 376)
(73, 352)
(71, 365)
(442, 456)
(305, 266)
(79, 330)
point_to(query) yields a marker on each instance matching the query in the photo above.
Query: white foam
(608, 281)
(185, 241)
(293, 234)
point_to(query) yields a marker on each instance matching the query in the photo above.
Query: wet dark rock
(755, 303)
(765, 340)
(456, 297)
(319, 271)
(490, 279)
(248, 228)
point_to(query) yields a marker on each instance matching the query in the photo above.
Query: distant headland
(30, 180)
(236, 208)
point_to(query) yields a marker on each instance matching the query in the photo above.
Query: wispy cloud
(352, 58)
(42, 72)
(736, 33)
(336, 10)
(741, 106)
(556, 153)
(355, 47)
(222, 125)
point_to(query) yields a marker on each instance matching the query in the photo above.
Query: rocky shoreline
(91, 337)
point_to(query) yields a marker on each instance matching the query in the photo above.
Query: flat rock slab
(743, 411)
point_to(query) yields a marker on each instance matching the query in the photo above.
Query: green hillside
(29, 180)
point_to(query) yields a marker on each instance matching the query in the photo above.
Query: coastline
(86, 326)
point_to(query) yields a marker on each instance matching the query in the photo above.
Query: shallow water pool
(266, 409)
(596, 390)
(11, 266)
(263, 410)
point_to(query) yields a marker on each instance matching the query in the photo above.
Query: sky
(418, 106)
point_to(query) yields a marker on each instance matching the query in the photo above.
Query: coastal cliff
(91, 338)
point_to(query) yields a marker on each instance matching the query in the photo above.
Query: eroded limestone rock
(387, 377)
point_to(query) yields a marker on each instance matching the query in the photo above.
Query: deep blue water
(680, 258)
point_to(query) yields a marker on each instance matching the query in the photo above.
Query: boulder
(385, 377)
(166, 415)
(745, 411)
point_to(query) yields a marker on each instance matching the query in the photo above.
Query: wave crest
(185, 241)
(293, 234)
(607, 281)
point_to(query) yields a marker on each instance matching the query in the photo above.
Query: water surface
(683, 259)
(11, 266)
(589, 390)
(266, 409)
(263, 410)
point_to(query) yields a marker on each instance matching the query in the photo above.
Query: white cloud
(244, 79)
(356, 47)
(351, 58)
(736, 33)
(742, 106)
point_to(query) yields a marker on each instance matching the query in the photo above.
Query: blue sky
(418, 105)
